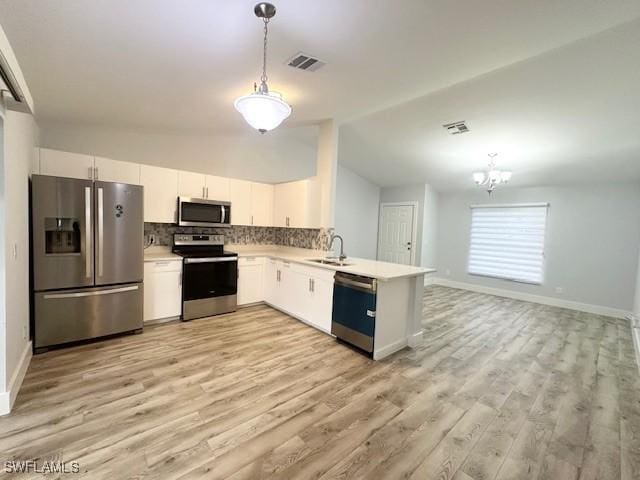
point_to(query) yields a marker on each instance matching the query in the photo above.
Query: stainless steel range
(87, 259)
(209, 275)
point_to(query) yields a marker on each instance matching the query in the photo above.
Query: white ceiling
(170, 64)
(163, 65)
(568, 116)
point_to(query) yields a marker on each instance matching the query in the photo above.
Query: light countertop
(383, 271)
(160, 254)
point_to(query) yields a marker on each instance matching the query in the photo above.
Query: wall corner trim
(7, 398)
(635, 333)
(527, 297)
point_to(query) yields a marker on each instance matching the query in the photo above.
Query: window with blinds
(507, 241)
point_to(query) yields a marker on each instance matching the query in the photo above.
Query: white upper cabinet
(191, 184)
(217, 188)
(297, 204)
(160, 193)
(65, 164)
(240, 198)
(262, 204)
(292, 204)
(108, 170)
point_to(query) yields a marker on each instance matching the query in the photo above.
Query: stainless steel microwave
(199, 212)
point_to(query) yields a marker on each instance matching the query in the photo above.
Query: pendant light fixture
(262, 109)
(492, 177)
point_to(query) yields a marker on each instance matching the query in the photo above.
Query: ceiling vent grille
(302, 61)
(456, 128)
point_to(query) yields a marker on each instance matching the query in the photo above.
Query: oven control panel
(197, 239)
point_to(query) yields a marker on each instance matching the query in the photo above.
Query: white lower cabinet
(250, 280)
(162, 289)
(299, 290)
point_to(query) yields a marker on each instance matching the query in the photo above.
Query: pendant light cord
(263, 78)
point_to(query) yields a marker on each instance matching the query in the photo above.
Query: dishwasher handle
(358, 282)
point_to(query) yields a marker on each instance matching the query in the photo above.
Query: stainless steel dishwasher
(354, 310)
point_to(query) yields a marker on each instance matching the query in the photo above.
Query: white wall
(20, 136)
(281, 155)
(3, 271)
(591, 245)
(430, 228)
(636, 302)
(356, 213)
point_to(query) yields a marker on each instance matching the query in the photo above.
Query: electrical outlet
(152, 239)
(559, 290)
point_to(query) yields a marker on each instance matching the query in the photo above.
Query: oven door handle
(210, 260)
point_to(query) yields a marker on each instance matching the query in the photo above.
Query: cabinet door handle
(251, 219)
(90, 175)
(203, 194)
(207, 192)
(310, 285)
(313, 284)
(96, 173)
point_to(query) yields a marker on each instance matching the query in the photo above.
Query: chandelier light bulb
(479, 178)
(492, 177)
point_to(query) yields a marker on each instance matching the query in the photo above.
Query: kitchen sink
(329, 261)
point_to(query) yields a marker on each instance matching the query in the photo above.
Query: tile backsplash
(314, 238)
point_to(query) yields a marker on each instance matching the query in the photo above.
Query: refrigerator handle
(100, 230)
(88, 227)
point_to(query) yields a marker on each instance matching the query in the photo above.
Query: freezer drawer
(65, 316)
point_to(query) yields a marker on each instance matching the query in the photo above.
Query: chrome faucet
(342, 256)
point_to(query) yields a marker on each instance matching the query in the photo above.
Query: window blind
(507, 241)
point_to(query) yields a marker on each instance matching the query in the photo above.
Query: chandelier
(262, 109)
(492, 177)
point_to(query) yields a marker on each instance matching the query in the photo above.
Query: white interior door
(396, 235)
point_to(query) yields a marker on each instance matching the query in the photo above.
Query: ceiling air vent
(302, 61)
(456, 128)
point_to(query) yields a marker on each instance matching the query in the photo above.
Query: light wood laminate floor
(499, 389)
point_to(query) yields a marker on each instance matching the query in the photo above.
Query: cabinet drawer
(248, 261)
(159, 266)
(315, 272)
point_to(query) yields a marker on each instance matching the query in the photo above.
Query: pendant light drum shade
(263, 111)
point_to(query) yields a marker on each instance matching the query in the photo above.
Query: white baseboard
(383, 352)
(429, 280)
(414, 339)
(529, 297)
(7, 398)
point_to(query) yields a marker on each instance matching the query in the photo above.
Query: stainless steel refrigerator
(87, 257)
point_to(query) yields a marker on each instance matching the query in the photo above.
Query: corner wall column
(326, 171)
